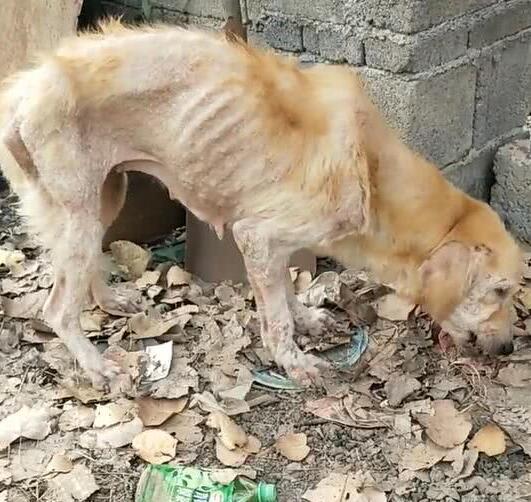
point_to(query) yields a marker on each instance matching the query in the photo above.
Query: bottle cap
(267, 492)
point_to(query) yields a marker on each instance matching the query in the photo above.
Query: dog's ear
(445, 278)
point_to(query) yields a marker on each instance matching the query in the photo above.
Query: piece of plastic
(162, 483)
(345, 357)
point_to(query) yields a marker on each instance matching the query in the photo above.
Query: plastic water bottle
(162, 483)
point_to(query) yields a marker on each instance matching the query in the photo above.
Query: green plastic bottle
(161, 483)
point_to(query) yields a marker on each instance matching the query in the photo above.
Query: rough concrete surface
(434, 114)
(503, 89)
(511, 194)
(405, 53)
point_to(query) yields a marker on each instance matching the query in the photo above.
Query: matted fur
(286, 157)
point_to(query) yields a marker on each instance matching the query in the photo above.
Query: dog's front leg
(266, 261)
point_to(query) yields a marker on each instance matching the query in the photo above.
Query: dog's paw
(303, 368)
(105, 375)
(314, 321)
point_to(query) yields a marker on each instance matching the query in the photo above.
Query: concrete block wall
(453, 76)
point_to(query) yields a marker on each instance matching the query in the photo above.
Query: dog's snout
(507, 348)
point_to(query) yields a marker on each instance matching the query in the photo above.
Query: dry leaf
(176, 276)
(113, 413)
(59, 463)
(78, 417)
(525, 297)
(24, 307)
(398, 387)
(131, 256)
(149, 278)
(230, 433)
(92, 320)
(184, 427)
(155, 446)
(154, 412)
(490, 440)
(393, 307)
(77, 485)
(179, 380)
(324, 288)
(112, 437)
(515, 375)
(422, 456)
(447, 427)
(339, 487)
(28, 463)
(227, 476)
(29, 423)
(293, 446)
(231, 458)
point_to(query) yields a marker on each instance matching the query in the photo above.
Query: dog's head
(468, 283)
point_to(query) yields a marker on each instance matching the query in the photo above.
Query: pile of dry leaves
(406, 422)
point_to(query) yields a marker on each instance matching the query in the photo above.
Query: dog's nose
(507, 348)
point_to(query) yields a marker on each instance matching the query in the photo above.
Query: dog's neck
(413, 211)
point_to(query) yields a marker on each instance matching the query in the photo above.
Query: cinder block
(434, 115)
(282, 33)
(474, 174)
(508, 19)
(413, 53)
(408, 16)
(204, 8)
(336, 43)
(511, 194)
(321, 10)
(503, 89)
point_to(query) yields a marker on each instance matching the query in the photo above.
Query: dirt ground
(406, 422)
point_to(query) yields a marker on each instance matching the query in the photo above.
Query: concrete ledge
(511, 194)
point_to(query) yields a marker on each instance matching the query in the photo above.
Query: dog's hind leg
(266, 259)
